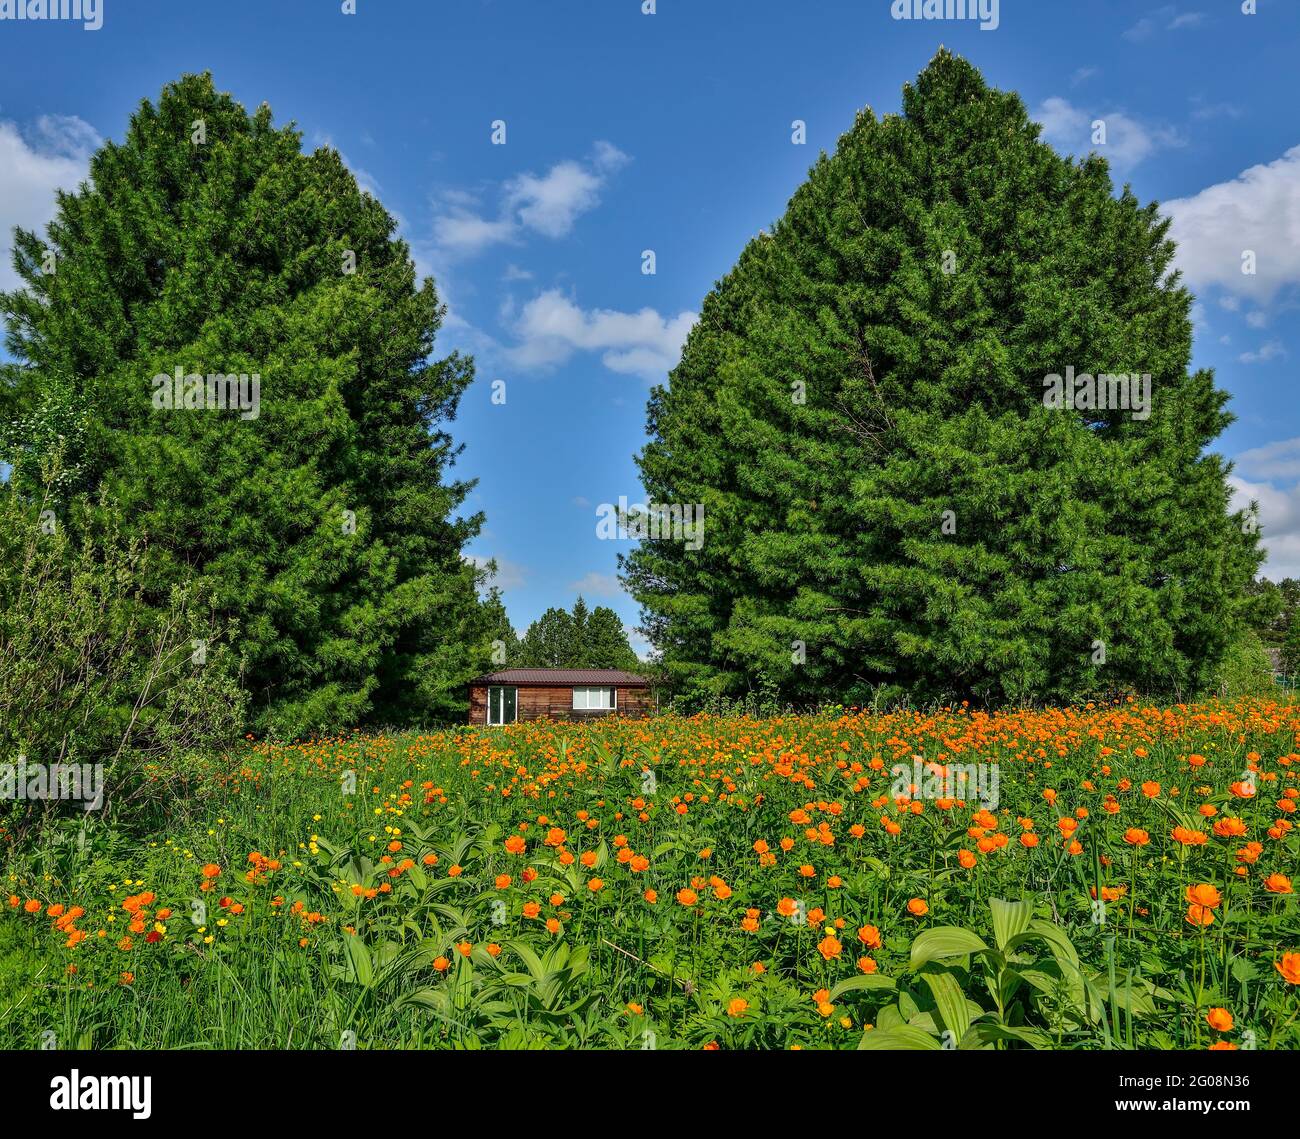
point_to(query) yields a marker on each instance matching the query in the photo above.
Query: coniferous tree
(585, 638)
(319, 510)
(549, 641)
(503, 641)
(890, 502)
(606, 643)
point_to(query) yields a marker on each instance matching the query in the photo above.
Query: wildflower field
(685, 883)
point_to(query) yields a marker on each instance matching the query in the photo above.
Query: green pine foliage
(890, 507)
(584, 638)
(327, 523)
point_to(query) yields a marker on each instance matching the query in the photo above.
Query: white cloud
(549, 204)
(1275, 461)
(1272, 350)
(509, 575)
(595, 584)
(464, 232)
(1279, 520)
(1069, 128)
(1082, 75)
(54, 153)
(551, 328)
(1167, 18)
(1270, 476)
(1259, 210)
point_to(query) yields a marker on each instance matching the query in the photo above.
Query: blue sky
(671, 132)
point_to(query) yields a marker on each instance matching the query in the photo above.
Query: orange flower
(1278, 884)
(515, 844)
(595, 885)
(1289, 968)
(918, 907)
(1136, 836)
(869, 935)
(32, 906)
(687, 897)
(737, 1006)
(829, 947)
(211, 870)
(441, 964)
(866, 965)
(1219, 1019)
(1204, 895)
(1199, 915)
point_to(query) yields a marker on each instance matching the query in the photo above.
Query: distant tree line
(581, 638)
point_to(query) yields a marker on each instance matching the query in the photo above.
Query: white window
(589, 699)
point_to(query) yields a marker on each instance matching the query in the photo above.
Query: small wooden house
(557, 694)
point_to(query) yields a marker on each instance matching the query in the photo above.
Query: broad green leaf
(902, 1037)
(984, 1032)
(866, 981)
(360, 966)
(1009, 919)
(949, 1000)
(944, 941)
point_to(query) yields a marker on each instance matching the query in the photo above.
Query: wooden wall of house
(556, 703)
(635, 702)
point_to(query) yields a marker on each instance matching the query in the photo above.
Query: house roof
(563, 676)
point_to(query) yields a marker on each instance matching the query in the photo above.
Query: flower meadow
(704, 882)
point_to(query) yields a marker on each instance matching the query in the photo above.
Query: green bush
(89, 673)
(1246, 669)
